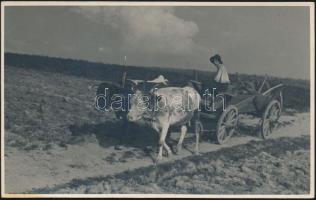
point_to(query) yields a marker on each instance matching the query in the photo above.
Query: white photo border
(126, 3)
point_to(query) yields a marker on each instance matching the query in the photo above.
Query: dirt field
(254, 168)
(56, 142)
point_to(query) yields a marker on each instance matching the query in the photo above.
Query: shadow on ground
(111, 133)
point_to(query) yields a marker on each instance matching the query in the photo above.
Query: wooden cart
(265, 102)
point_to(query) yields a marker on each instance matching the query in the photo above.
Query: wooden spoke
(227, 124)
(270, 118)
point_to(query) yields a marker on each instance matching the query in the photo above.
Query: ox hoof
(118, 147)
(196, 151)
(167, 153)
(158, 159)
(179, 149)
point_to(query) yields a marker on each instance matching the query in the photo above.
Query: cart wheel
(270, 118)
(227, 124)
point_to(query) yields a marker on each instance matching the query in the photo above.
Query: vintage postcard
(157, 99)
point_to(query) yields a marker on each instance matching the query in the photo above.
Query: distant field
(294, 88)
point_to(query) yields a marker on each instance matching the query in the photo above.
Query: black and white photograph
(157, 99)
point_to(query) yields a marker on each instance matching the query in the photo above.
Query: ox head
(143, 96)
(112, 97)
(138, 105)
(136, 100)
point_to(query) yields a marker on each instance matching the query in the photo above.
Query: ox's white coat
(177, 112)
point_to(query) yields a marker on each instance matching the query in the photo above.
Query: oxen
(163, 108)
(108, 92)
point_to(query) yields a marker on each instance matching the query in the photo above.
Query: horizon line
(152, 66)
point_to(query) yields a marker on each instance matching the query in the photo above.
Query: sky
(251, 40)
